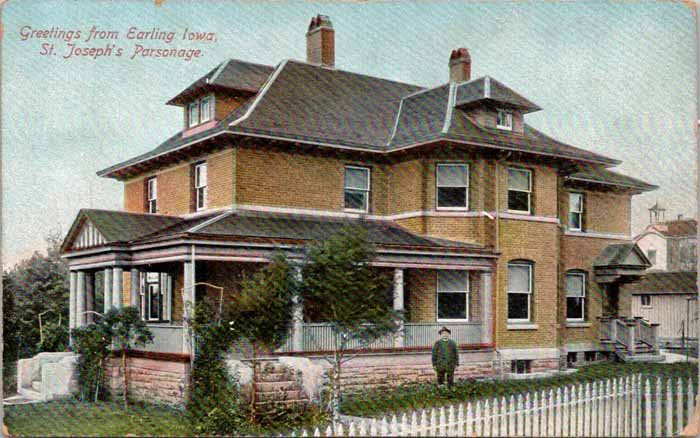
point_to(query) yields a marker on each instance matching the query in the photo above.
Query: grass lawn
(378, 402)
(68, 417)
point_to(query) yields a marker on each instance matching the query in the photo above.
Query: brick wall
(221, 176)
(152, 380)
(135, 195)
(538, 243)
(406, 192)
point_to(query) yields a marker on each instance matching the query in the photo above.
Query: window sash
(575, 285)
(645, 300)
(516, 178)
(580, 306)
(451, 284)
(194, 114)
(504, 120)
(356, 182)
(514, 289)
(575, 211)
(205, 112)
(447, 182)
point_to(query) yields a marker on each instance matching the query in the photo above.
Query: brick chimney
(320, 41)
(460, 65)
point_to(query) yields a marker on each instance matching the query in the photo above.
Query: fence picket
(304, 434)
(615, 402)
(606, 408)
(373, 427)
(450, 421)
(502, 417)
(669, 407)
(625, 406)
(565, 412)
(636, 408)
(537, 414)
(647, 408)
(689, 401)
(351, 430)
(486, 431)
(511, 416)
(658, 407)
(679, 406)
(528, 414)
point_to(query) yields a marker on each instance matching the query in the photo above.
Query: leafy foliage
(92, 343)
(126, 328)
(341, 287)
(36, 285)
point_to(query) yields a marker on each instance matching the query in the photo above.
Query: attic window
(504, 120)
(201, 111)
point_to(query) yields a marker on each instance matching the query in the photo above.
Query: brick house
(515, 240)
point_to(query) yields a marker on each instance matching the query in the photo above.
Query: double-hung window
(453, 296)
(519, 292)
(519, 190)
(575, 296)
(205, 109)
(194, 114)
(155, 296)
(452, 186)
(646, 300)
(200, 186)
(152, 188)
(576, 211)
(504, 120)
(356, 189)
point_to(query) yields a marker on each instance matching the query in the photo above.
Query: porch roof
(620, 263)
(127, 229)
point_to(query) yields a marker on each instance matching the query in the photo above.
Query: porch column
(188, 295)
(72, 301)
(486, 303)
(117, 287)
(80, 300)
(297, 317)
(89, 297)
(135, 287)
(107, 289)
(399, 306)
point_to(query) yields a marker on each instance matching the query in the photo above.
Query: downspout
(497, 247)
(194, 300)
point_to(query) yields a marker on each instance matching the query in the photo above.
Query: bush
(92, 343)
(55, 337)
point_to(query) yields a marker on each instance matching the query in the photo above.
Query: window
(521, 366)
(575, 211)
(575, 296)
(571, 357)
(200, 186)
(589, 356)
(453, 296)
(152, 189)
(651, 255)
(504, 120)
(155, 296)
(519, 190)
(452, 186)
(646, 300)
(519, 291)
(194, 114)
(356, 188)
(201, 111)
(205, 109)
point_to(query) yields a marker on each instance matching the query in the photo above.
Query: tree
(340, 287)
(264, 310)
(126, 329)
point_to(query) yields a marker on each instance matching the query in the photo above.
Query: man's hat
(444, 329)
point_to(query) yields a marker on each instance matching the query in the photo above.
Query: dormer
(487, 102)
(217, 94)
(490, 104)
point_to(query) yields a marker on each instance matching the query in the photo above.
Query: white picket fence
(628, 406)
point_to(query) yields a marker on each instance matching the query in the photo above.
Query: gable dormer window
(201, 111)
(504, 120)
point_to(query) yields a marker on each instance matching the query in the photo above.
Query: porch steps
(643, 353)
(278, 387)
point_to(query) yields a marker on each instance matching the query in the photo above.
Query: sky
(616, 78)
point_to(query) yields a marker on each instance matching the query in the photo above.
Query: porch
(632, 339)
(435, 283)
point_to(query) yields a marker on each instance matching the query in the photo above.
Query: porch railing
(320, 337)
(166, 339)
(628, 333)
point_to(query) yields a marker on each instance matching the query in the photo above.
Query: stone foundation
(159, 381)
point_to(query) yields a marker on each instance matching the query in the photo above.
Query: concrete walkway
(675, 358)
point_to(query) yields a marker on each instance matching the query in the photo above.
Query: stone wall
(158, 381)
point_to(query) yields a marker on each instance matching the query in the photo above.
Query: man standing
(445, 357)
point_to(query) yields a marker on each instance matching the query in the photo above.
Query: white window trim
(152, 195)
(583, 309)
(437, 187)
(529, 192)
(367, 191)
(529, 294)
(192, 123)
(509, 117)
(641, 302)
(197, 187)
(438, 292)
(210, 113)
(580, 213)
